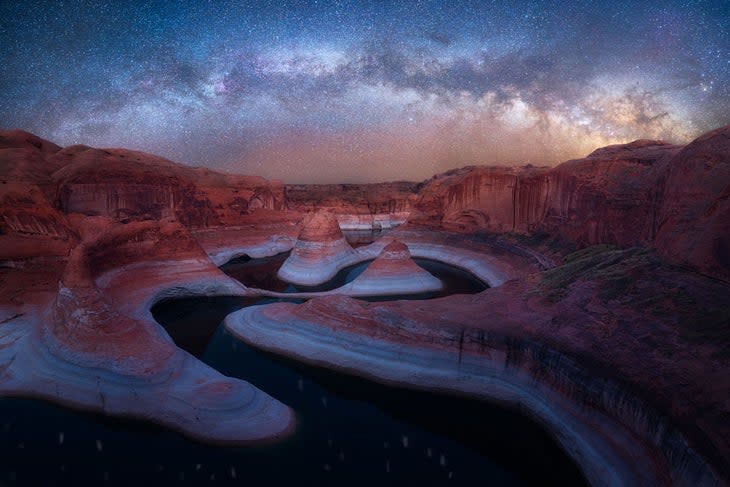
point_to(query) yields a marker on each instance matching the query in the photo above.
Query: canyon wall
(611, 196)
(642, 193)
(693, 219)
(41, 182)
(496, 199)
(649, 193)
(29, 225)
(356, 206)
(126, 184)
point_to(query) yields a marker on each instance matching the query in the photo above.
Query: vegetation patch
(592, 263)
(637, 279)
(543, 240)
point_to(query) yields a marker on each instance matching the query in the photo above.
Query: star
(286, 89)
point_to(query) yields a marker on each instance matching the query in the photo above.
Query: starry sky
(363, 91)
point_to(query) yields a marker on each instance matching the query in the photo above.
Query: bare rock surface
(319, 252)
(94, 345)
(394, 272)
(356, 206)
(694, 216)
(541, 340)
(646, 192)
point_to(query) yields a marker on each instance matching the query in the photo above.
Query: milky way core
(347, 91)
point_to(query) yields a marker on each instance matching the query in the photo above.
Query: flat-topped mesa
(320, 251)
(394, 272)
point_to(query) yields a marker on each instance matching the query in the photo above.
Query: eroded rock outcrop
(497, 199)
(627, 412)
(29, 224)
(646, 192)
(611, 196)
(394, 272)
(694, 215)
(95, 346)
(608, 197)
(125, 184)
(356, 206)
(641, 348)
(319, 252)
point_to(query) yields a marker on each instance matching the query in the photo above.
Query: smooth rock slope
(94, 345)
(319, 252)
(392, 273)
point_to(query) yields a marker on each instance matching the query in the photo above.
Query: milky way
(363, 91)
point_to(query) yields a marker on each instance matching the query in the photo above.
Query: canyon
(607, 316)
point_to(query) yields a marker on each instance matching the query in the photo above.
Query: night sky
(363, 91)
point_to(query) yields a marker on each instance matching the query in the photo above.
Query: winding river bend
(355, 432)
(350, 431)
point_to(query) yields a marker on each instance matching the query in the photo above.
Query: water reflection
(414, 436)
(261, 274)
(350, 431)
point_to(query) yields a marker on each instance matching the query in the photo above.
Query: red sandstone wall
(352, 199)
(496, 199)
(610, 196)
(642, 193)
(125, 184)
(29, 225)
(694, 212)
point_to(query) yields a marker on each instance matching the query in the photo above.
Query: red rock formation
(614, 331)
(610, 196)
(319, 252)
(319, 227)
(352, 198)
(642, 193)
(29, 225)
(615, 195)
(138, 242)
(393, 272)
(694, 213)
(497, 199)
(357, 206)
(86, 329)
(647, 325)
(127, 184)
(95, 346)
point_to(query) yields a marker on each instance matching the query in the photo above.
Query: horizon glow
(352, 92)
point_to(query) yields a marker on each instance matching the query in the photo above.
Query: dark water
(350, 431)
(261, 274)
(371, 424)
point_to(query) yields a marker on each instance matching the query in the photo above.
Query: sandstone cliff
(694, 214)
(40, 181)
(29, 225)
(646, 193)
(356, 206)
(611, 196)
(497, 199)
(126, 184)
(642, 193)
